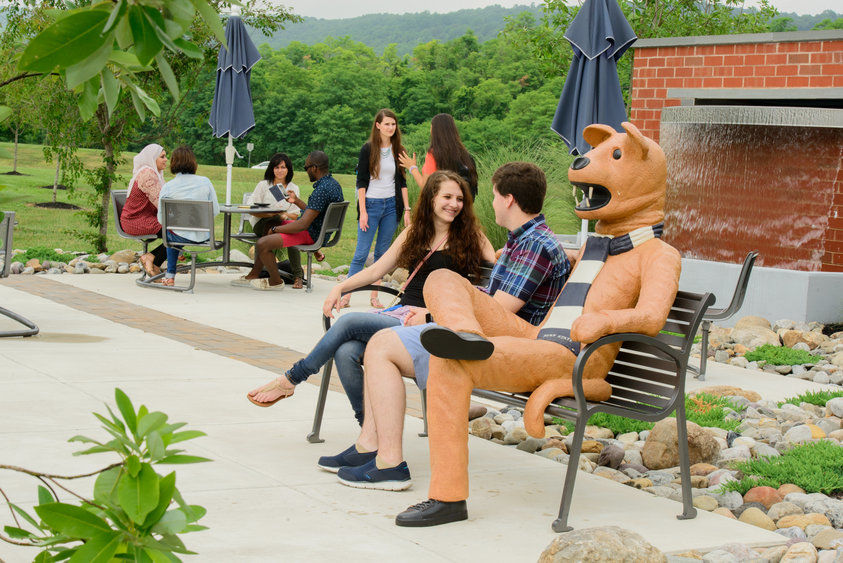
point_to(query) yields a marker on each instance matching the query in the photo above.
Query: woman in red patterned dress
(139, 215)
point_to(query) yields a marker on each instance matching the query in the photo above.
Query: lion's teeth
(590, 191)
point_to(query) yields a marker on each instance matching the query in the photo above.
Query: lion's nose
(579, 163)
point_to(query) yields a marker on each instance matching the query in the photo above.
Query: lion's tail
(595, 390)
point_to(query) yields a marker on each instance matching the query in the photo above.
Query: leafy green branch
(135, 513)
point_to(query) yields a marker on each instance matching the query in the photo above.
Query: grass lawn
(53, 228)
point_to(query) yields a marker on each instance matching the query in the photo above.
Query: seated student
(140, 212)
(445, 234)
(526, 280)
(186, 185)
(304, 230)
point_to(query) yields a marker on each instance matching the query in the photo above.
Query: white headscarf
(146, 159)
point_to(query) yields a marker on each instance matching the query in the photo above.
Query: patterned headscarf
(146, 159)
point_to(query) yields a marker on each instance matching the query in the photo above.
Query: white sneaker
(241, 282)
(262, 284)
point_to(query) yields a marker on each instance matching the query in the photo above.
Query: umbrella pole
(229, 161)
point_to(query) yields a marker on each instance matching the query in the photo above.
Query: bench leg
(31, 328)
(561, 523)
(706, 326)
(309, 272)
(688, 510)
(313, 437)
(423, 433)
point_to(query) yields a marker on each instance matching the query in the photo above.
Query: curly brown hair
(464, 234)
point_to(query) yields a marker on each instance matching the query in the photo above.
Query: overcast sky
(333, 9)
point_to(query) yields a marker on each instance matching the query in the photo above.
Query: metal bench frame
(725, 313)
(7, 226)
(648, 383)
(118, 201)
(329, 236)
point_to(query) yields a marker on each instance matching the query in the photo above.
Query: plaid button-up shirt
(533, 267)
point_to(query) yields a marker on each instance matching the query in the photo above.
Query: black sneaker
(445, 343)
(368, 476)
(349, 458)
(432, 513)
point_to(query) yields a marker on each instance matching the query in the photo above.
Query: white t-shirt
(383, 186)
(262, 195)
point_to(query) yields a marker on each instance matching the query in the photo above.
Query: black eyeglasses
(308, 166)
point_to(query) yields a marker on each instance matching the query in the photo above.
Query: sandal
(298, 283)
(271, 386)
(146, 262)
(375, 302)
(344, 302)
(168, 282)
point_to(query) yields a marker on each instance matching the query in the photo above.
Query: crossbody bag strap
(420, 264)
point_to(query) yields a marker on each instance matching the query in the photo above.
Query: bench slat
(645, 374)
(637, 397)
(622, 405)
(637, 384)
(678, 327)
(629, 357)
(680, 315)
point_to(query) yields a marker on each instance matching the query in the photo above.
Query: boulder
(829, 538)
(752, 321)
(127, 256)
(661, 449)
(611, 456)
(788, 488)
(723, 511)
(481, 427)
(608, 543)
(702, 468)
(768, 496)
(757, 518)
(754, 336)
(803, 520)
(705, 502)
(836, 406)
(802, 552)
(782, 509)
(813, 339)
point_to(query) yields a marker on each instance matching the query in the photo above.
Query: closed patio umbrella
(231, 112)
(599, 36)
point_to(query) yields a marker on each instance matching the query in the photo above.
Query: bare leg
(265, 257)
(385, 362)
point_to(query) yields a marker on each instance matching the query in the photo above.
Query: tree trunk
(56, 180)
(110, 166)
(15, 162)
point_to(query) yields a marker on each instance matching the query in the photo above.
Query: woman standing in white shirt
(381, 193)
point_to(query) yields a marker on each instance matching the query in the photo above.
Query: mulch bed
(50, 187)
(13, 173)
(56, 205)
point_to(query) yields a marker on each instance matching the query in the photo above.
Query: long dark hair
(375, 143)
(464, 233)
(447, 148)
(277, 159)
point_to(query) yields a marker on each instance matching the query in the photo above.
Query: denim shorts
(410, 337)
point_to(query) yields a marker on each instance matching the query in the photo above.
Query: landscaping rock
(706, 502)
(515, 436)
(722, 511)
(789, 488)
(530, 445)
(794, 533)
(611, 456)
(600, 544)
(798, 434)
(828, 538)
(731, 499)
(754, 336)
(726, 391)
(661, 448)
(836, 406)
(481, 427)
(803, 552)
(782, 509)
(126, 256)
(768, 496)
(774, 554)
(757, 518)
(803, 520)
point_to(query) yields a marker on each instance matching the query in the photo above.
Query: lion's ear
(597, 133)
(636, 137)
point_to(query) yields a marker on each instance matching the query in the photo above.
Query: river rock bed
(648, 460)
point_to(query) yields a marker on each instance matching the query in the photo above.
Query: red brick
(778, 58)
(834, 246)
(655, 83)
(667, 51)
(703, 71)
(693, 83)
(674, 82)
(724, 49)
(653, 104)
(704, 50)
(694, 61)
(755, 59)
(666, 72)
(645, 93)
(792, 47)
(656, 62)
(834, 234)
(835, 223)
(818, 58)
(831, 46)
(786, 70)
(713, 82)
(745, 48)
(647, 72)
(713, 60)
(732, 82)
(766, 48)
(765, 70)
(833, 70)
(832, 268)
(798, 81)
(775, 82)
(753, 82)
(734, 60)
(724, 70)
(661, 93)
(838, 81)
(810, 70)
(672, 102)
(744, 71)
(798, 58)
(683, 71)
(674, 61)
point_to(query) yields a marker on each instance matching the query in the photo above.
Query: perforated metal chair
(242, 234)
(328, 236)
(7, 225)
(196, 217)
(725, 313)
(118, 201)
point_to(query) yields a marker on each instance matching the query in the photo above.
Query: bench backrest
(332, 224)
(118, 200)
(7, 231)
(189, 215)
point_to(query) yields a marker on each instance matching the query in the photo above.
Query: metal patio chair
(328, 236)
(7, 225)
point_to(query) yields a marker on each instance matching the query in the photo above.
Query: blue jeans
(173, 253)
(345, 342)
(383, 222)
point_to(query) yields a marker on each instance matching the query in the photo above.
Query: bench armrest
(326, 322)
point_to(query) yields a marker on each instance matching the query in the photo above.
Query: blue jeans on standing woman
(345, 343)
(382, 222)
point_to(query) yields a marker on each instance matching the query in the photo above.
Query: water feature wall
(754, 177)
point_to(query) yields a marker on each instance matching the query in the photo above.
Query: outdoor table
(228, 211)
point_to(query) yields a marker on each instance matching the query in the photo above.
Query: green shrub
(816, 467)
(781, 356)
(135, 513)
(42, 254)
(819, 398)
(617, 424)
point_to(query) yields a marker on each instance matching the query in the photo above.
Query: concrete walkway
(194, 356)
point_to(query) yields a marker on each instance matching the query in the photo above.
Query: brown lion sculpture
(637, 276)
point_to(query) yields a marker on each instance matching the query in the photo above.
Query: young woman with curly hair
(444, 233)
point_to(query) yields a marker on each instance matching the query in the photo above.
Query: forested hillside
(405, 30)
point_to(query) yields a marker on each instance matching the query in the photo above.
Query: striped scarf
(571, 300)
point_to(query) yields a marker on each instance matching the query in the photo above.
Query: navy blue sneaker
(368, 476)
(349, 458)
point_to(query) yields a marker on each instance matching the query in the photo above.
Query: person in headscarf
(140, 213)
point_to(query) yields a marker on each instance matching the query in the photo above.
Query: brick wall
(802, 64)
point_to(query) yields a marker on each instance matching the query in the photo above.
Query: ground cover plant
(780, 356)
(816, 467)
(819, 398)
(42, 254)
(135, 513)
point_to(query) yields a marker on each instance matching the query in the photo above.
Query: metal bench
(118, 200)
(648, 383)
(328, 236)
(7, 225)
(723, 314)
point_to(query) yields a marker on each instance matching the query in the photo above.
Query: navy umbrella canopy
(231, 112)
(599, 36)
